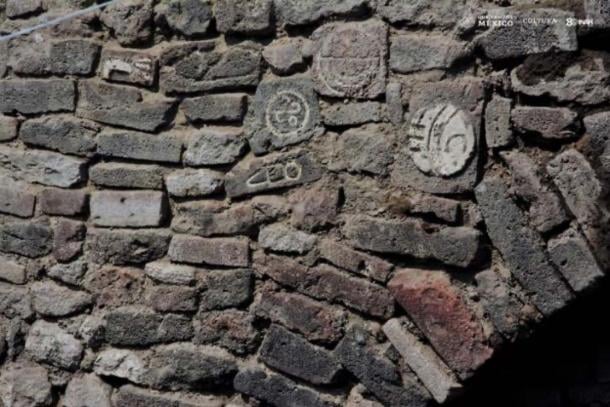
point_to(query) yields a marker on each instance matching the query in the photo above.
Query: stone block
(122, 364)
(284, 55)
(48, 343)
(87, 388)
(215, 108)
(171, 298)
(122, 247)
(315, 208)
(231, 252)
(16, 200)
(497, 122)
(130, 21)
(21, 8)
(25, 384)
(63, 202)
(353, 113)
(238, 17)
(140, 146)
(15, 301)
(416, 52)
(71, 273)
(130, 396)
(222, 289)
(8, 127)
(215, 146)
(187, 17)
(128, 208)
(131, 67)
(68, 237)
(32, 96)
(169, 273)
(53, 300)
(297, 13)
(115, 286)
(194, 183)
(12, 272)
(427, 13)
(55, 57)
(357, 262)
(231, 329)
(122, 175)
(283, 238)
(61, 133)
(26, 239)
(545, 122)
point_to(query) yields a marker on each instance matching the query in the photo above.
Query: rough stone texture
(230, 329)
(54, 201)
(497, 122)
(53, 300)
(48, 343)
(16, 8)
(129, 396)
(217, 251)
(188, 17)
(225, 288)
(352, 114)
(284, 112)
(215, 146)
(140, 146)
(328, 283)
(520, 246)
(115, 286)
(235, 16)
(12, 272)
(15, 301)
(211, 108)
(284, 55)
(25, 385)
(415, 52)
(572, 256)
(122, 106)
(42, 167)
(8, 127)
(130, 67)
(428, 13)
(121, 363)
(86, 390)
(444, 317)
(37, 96)
(525, 38)
(430, 368)
(354, 261)
(457, 246)
(134, 326)
(291, 354)
(63, 57)
(129, 21)
(71, 273)
(546, 122)
(119, 175)
(127, 208)
(122, 247)
(173, 298)
(282, 238)
(300, 13)
(277, 390)
(68, 237)
(169, 273)
(15, 200)
(26, 239)
(315, 208)
(194, 183)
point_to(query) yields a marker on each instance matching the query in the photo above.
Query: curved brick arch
(293, 203)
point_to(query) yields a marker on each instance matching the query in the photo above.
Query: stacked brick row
(291, 203)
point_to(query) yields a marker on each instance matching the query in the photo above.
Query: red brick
(439, 310)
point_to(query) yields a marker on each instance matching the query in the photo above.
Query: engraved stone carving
(441, 140)
(284, 112)
(350, 59)
(128, 67)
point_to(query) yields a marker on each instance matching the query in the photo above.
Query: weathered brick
(16, 200)
(201, 66)
(194, 183)
(520, 246)
(8, 127)
(354, 261)
(53, 300)
(121, 247)
(27, 239)
(128, 208)
(138, 326)
(215, 146)
(169, 273)
(209, 218)
(122, 364)
(68, 238)
(64, 202)
(235, 16)
(357, 354)
(41, 167)
(225, 288)
(440, 311)
(87, 388)
(55, 57)
(186, 366)
(20, 8)
(326, 282)
(314, 208)
(121, 175)
(61, 133)
(318, 322)
(12, 272)
(291, 354)
(130, 22)
(122, 106)
(353, 113)
(37, 96)
(546, 211)
(497, 122)
(231, 329)
(232, 252)
(28, 383)
(139, 146)
(15, 302)
(546, 122)
(168, 298)
(277, 390)
(70, 273)
(417, 52)
(427, 365)
(188, 17)
(282, 238)
(48, 343)
(301, 13)
(131, 396)
(429, 13)
(126, 66)
(213, 108)
(115, 286)
(271, 172)
(574, 259)
(457, 246)
(284, 55)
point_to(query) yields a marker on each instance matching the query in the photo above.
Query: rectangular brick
(16, 200)
(139, 146)
(8, 127)
(65, 134)
(328, 283)
(32, 96)
(128, 208)
(64, 202)
(213, 108)
(223, 289)
(121, 175)
(520, 246)
(122, 247)
(231, 252)
(355, 261)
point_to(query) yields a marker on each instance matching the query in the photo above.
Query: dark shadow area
(565, 363)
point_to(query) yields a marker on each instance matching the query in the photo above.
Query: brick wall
(293, 203)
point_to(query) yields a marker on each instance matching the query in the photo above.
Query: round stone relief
(349, 60)
(287, 114)
(441, 140)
